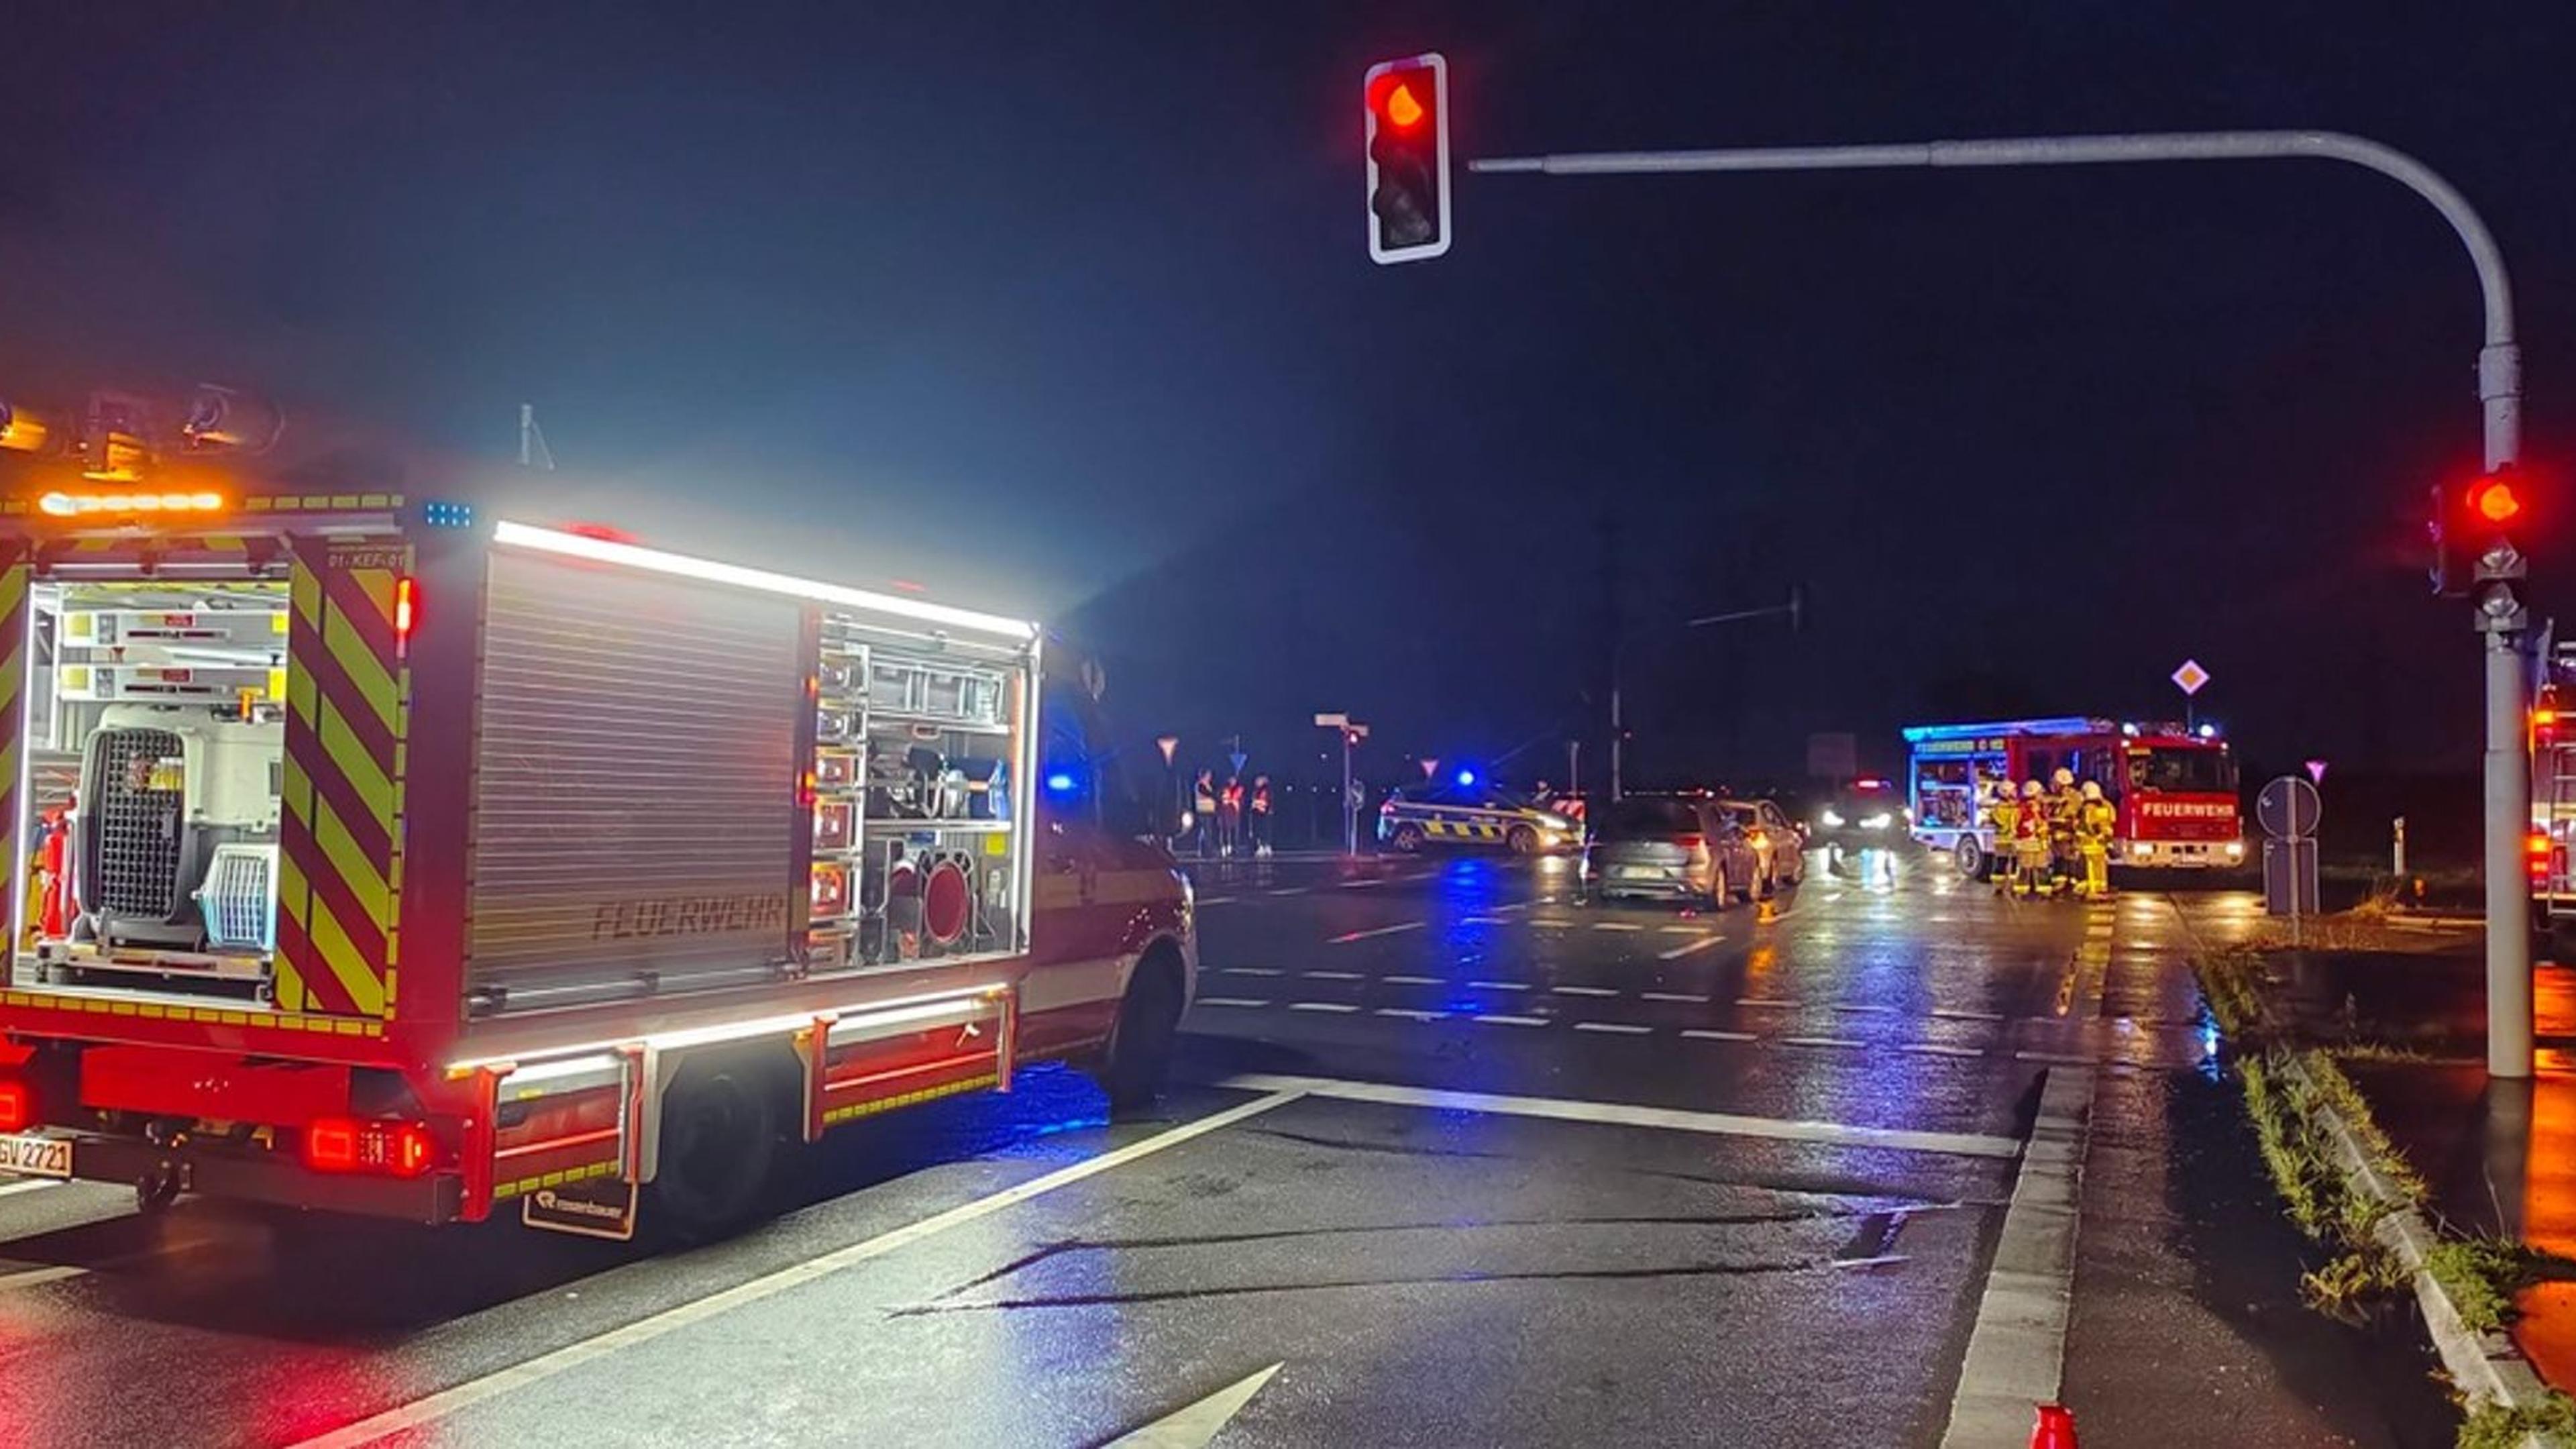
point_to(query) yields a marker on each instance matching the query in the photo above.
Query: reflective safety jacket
(2097, 824)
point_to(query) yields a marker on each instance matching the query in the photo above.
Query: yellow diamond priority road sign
(2190, 677)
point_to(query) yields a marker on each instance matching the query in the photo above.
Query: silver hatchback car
(1670, 849)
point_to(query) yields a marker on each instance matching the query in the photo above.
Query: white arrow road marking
(1199, 1423)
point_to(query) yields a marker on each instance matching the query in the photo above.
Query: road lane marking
(1865, 1007)
(1254, 971)
(1412, 1015)
(1683, 930)
(1289, 891)
(1410, 980)
(1483, 921)
(1817, 1041)
(1332, 975)
(1768, 1003)
(1952, 1013)
(1341, 1006)
(1516, 906)
(1620, 1027)
(1348, 937)
(1230, 1001)
(33, 1184)
(1216, 900)
(1195, 1426)
(1621, 1114)
(1672, 996)
(34, 1277)
(1702, 1033)
(1678, 952)
(1940, 1049)
(1554, 923)
(1360, 885)
(1498, 986)
(1616, 926)
(2017, 1349)
(1491, 1019)
(2062, 1059)
(545, 1366)
(1583, 991)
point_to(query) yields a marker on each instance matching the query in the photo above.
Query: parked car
(1668, 848)
(1779, 843)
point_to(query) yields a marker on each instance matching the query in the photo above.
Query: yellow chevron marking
(375, 683)
(356, 871)
(341, 954)
(357, 766)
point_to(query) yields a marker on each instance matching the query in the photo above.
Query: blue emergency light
(1466, 778)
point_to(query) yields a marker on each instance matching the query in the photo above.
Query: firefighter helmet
(2092, 789)
(2064, 778)
(2031, 788)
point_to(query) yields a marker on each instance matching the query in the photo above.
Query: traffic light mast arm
(2499, 364)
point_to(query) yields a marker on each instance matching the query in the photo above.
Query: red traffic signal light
(2494, 500)
(1407, 108)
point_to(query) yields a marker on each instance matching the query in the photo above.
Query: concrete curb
(2016, 1358)
(2487, 1367)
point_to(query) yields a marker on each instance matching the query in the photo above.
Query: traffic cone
(2055, 1429)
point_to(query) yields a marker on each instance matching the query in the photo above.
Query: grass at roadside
(2294, 1094)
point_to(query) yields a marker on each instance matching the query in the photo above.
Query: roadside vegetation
(2295, 1093)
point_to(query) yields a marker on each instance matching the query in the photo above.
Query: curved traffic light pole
(2508, 766)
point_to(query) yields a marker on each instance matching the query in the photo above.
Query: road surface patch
(458, 1397)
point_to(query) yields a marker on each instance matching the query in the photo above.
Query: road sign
(2288, 808)
(2317, 771)
(1331, 721)
(1237, 758)
(2190, 677)
(1430, 765)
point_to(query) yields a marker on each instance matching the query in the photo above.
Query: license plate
(1637, 872)
(36, 1156)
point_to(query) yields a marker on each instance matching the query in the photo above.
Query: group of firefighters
(1228, 819)
(2052, 839)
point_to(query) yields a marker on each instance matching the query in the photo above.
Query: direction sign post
(1352, 733)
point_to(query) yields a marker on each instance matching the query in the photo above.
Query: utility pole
(1612, 618)
(2508, 766)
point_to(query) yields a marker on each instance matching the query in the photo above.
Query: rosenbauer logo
(688, 916)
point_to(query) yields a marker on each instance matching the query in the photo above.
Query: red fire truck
(2175, 785)
(377, 854)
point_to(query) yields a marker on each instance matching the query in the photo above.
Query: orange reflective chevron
(14, 573)
(348, 706)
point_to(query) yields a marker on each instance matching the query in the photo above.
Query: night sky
(1066, 310)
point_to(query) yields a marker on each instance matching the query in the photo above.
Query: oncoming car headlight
(1555, 822)
(1830, 819)
(1880, 821)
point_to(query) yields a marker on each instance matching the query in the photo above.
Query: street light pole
(2508, 778)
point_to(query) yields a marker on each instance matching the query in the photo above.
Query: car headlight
(2236, 850)
(1879, 821)
(1831, 819)
(1555, 822)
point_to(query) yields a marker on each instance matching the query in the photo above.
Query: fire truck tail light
(17, 1106)
(391, 1149)
(406, 608)
(2536, 854)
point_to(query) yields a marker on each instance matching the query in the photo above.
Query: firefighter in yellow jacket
(2095, 829)
(2030, 841)
(2065, 815)
(2002, 816)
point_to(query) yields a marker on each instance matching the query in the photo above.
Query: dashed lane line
(1620, 1028)
(1361, 885)
(1940, 1049)
(1409, 1015)
(1253, 971)
(1216, 900)
(1953, 1013)
(1683, 930)
(1842, 1042)
(545, 1366)
(1672, 996)
(1410, 980)
(1687, 947)
(2062, 1059)
(1703, 1033)
(1616, 926)
(1496, 1019)
(1583, 991)
(1498, 986)
(1340, 1007)
(1766, 1003)
(1483, 921)
(1865, 1008)
(1245, 1001)
(1621, 1114)
(1350, 936)
(1288, 891)
(1332, 975)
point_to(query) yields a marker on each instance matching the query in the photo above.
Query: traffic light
(2486, 513)
(1407, 102)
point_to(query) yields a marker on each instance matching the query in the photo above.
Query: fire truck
(379, 854)
(2175, 785)
(2553, 786)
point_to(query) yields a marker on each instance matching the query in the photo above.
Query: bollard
(2397, 848)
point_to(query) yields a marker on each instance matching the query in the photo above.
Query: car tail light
(1386, 809)
(17, 1106)
(347, 1144)
(1691, 842)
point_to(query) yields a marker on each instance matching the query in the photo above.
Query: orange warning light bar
(75, 505)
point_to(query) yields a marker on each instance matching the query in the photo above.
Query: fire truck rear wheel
(1149, 1025)
(721, 1121)
(1971, 857)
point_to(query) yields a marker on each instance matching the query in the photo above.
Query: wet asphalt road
(1454, 1160)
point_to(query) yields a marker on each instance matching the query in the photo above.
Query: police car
(1472, 814)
